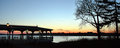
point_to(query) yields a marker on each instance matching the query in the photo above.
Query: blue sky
(55, 14)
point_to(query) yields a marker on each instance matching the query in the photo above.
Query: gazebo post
(42, 33)
(46, 35)
(51, 33)
(12, 34)
(21, 37)
(27, 34)
(39, 34)
(9, 34)
(32, 34)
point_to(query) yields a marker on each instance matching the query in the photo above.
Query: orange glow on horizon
(63, 31)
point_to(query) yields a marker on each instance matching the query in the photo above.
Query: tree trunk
(116, 19)
(98, 28)
(99, 33)
(117, 36)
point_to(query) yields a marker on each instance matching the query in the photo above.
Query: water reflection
(57, 39)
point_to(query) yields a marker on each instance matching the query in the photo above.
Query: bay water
(57, 39)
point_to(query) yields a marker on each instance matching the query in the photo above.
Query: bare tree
(90, 12)
(112, 12)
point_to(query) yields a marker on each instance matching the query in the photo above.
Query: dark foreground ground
(84, 43)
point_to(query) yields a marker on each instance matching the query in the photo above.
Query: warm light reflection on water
(58, 39)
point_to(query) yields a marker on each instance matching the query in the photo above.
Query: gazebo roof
(23, 28)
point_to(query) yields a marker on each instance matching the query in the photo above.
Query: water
(57, 39)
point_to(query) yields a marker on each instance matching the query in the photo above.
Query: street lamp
(7, 24)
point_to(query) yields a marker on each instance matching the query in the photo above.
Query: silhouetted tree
(91, 12)
(111, 12)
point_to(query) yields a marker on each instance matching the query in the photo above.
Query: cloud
(60, 29)
(67, 30)
(63, 30)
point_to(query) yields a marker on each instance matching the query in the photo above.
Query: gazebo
(22, 28)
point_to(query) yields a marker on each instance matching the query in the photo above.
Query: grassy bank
(84, 43)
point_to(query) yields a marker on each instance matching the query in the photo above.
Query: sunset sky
(55, 14)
